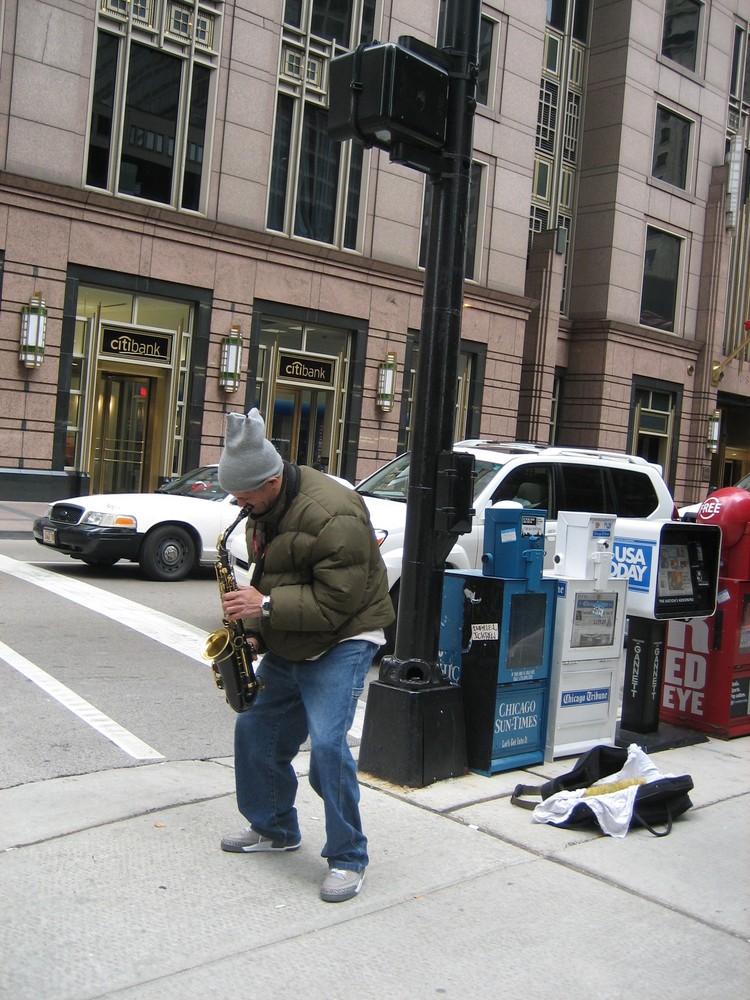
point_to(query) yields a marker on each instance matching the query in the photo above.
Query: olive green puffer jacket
(323, 570)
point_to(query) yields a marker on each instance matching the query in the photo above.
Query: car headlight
(109, 520)
(380, 535)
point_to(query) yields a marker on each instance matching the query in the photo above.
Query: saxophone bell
(215, 643)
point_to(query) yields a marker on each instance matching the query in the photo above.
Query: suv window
(634, 493)
(531, 485)
(600, 489)
(585, 488)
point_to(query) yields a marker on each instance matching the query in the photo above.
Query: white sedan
(168, 532)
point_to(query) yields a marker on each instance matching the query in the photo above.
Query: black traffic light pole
(414, 731)
(426, 546)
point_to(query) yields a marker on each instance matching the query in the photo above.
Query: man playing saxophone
(316, 609)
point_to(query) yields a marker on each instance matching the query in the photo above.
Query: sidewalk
(113, 885)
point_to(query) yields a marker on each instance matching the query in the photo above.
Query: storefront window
(301, 389)
(129, 370)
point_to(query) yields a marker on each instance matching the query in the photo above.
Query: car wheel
(99, 563)
(168, 553)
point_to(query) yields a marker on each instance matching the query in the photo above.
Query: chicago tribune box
(671, 567)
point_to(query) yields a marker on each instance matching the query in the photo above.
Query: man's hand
(241, 603)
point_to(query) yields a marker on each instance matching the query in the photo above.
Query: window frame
(305, 91)
(697, 69)
(476, 197)
(692, 125)
(681, 243)
(642, 383)
(493, 25)
(127, 28)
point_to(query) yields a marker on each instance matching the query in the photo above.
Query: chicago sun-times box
(496, 642)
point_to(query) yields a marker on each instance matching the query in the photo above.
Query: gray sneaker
(248, 841)
(340, 884)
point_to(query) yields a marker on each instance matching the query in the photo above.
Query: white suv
(549, 479)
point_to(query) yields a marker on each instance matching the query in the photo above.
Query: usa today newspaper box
(588, 658)
(672, 572)
(496, 642)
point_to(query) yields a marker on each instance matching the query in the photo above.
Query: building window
(469, 375)
(560, 121)
(542, 179)
(681, 37)
(572, 127)
(671, 148)
(485, 77)
(151, 99)
(546, 122)
(315, 183)
(652, 434)
(661, 271)
(474, 223)
(739, 86)
(556, 14)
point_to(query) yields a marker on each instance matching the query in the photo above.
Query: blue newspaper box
(496, 642)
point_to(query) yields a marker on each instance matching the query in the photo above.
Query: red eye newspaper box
(707, 660)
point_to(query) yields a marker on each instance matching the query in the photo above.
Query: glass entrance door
(122, 430)
(302, 424)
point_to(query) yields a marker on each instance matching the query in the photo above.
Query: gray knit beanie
(248, 459)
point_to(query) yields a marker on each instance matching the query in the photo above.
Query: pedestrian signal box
(386, 94)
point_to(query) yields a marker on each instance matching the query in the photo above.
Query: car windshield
(202, 483)
(744, 483)
(392, 481)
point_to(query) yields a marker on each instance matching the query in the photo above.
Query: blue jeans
(316, 698)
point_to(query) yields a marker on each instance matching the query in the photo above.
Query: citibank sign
(133, 344)
(307, 368)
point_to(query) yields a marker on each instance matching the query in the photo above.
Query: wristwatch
(265, 607)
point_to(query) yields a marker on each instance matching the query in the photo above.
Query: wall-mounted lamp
(714, 430)
(386, 382)
(33, 331)
(231, 360)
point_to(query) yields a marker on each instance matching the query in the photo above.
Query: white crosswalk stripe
(179, 636)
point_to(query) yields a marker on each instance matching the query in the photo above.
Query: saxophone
(231, 657)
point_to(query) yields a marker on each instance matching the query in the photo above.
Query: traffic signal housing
(390, 95)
